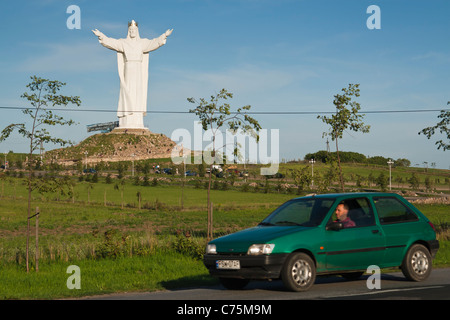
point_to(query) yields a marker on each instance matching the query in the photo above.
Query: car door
(399, 224)
(356, 247)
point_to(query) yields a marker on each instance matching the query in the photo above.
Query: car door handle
(375, 231)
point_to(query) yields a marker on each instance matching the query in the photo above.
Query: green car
(327, 234)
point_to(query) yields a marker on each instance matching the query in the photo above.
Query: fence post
(211, 222)
(37, 239)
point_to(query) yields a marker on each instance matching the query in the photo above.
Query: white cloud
(432, 56)
(69, 57)
(252, 78)
(255, 82)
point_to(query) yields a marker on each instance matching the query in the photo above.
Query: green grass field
(130, 249)
(157, 271)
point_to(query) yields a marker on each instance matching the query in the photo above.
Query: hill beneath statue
(118, 145)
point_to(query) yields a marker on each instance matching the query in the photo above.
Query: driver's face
(341, 212)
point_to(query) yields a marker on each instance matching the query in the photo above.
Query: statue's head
(133, 31)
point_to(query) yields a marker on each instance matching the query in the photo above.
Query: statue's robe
(132, 63)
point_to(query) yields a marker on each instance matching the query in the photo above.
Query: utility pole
(85, 157)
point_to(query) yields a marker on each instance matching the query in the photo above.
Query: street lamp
(132, 165)
(312, 161)
(85, 158)
(390, 163)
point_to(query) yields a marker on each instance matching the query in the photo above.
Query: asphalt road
(393, 286)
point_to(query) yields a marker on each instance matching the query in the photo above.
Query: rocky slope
(118, 145)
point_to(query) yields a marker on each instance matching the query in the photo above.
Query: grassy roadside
(161, 270)
(120, 250)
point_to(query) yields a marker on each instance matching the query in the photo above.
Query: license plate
(228, 264)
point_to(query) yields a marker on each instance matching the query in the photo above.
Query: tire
(233, 283)
(417, 263)
(298, 272)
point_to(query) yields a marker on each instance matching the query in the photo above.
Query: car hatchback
(304, 238)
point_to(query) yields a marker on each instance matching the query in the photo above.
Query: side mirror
(335, 226)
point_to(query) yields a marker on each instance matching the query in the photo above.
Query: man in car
(342, 215)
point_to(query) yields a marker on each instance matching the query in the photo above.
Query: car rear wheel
(298, 272)
(416, 265)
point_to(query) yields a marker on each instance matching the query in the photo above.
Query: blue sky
(284, 55)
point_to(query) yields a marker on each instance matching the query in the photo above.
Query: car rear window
(392, 210)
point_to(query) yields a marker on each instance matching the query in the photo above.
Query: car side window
(360, 212)
(392, 210)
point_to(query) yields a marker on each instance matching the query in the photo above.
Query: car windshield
(299, 212)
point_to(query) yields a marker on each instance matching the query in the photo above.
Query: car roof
(348, 195)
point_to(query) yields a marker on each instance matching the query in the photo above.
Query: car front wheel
(416, 265)
(298, 272)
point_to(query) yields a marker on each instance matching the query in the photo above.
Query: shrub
(245, 187)
(185, 245)
(112, 245)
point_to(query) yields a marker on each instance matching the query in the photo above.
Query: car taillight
(432, 226)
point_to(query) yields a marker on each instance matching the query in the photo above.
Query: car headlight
(257, 249)
(211, 249)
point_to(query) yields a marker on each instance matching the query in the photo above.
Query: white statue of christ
(132, 62)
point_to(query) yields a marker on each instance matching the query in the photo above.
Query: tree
(414, 182)
(443, 127)
(401, 162)
(42, 96)
(302, 177)
(346, 117)
(429, 186)
(120, 186)
(382, 181)
(215, 115)
(324, 181)
(89, 187)
(121, 168)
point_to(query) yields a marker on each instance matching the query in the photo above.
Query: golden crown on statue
(132, 23)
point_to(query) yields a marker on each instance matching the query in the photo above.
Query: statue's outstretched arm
(109, 43)
(168, 32)
(153, 44)
(99, 34)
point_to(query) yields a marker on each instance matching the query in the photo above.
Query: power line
(247, 112)
(333, 112)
